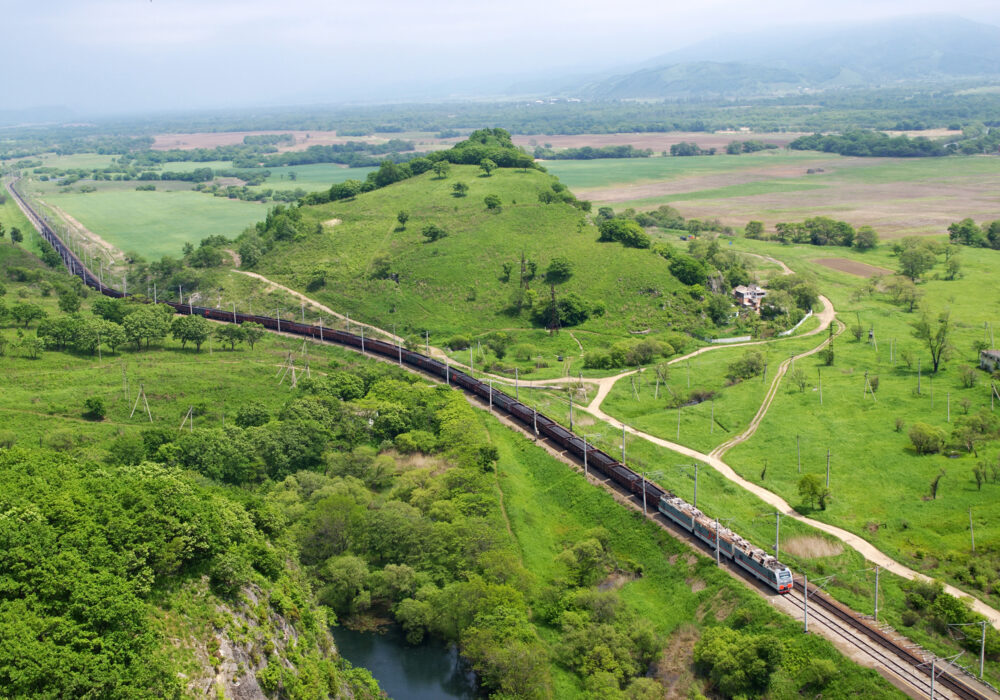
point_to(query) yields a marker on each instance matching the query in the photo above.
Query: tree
(754, 229)
(441, 168)
(966, 232)
(69, 301)
(230, 333)
(866, 238)
(559, 270)
(915, 261)
(953, 268)
(937, 335)
(625, 231)
(798, 378)
(145, 325)
(433, 232)
(739, 664)
(459, 189)
(112, 334)
(402, 217)
(926, 438)
(487, 166)
(719, 308)
(190, 329)
(252, 414)
(813, 490)
(252, 332)
(492, 202)
(24, 313)
(15, 235)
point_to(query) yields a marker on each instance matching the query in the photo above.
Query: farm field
(155, 224)
(896, 196)
(311, 178)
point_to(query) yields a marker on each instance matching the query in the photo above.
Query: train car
(763, 566)
(679, 511)
(624, 476)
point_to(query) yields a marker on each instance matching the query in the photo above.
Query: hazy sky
(108, 56)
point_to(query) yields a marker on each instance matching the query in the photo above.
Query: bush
(96, 410)
(750, 365)
(927, 439)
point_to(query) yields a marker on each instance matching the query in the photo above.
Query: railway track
(883, 651)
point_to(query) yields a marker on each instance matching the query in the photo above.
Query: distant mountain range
(892, 52)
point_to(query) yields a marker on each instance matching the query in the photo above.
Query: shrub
(96, 410)
(926, 438)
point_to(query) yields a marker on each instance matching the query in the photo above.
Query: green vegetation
(155, 224)
(400, 514)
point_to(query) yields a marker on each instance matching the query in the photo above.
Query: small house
(989, 360)
(749, 296)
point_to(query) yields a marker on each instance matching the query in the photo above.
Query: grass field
(155, 224)
(733, 407)
(897, 196)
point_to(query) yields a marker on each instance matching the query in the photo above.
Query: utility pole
(678, 423)
(362, 340)
(918, 376)
(491, 395)
(798, 453)
(972, 533)
(427, 342)
(517, 392)
(805, 604)
(587, 449)
(623, 444)
(828, 467)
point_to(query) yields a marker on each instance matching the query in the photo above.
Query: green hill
(457, 283)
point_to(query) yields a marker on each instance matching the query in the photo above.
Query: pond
(425, 672)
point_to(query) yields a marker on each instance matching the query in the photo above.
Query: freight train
(726, 542)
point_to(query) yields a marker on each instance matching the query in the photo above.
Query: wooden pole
(828, 468)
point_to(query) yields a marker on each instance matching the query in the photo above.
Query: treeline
(819, 230)
(968, 232)
(735, 148)
(871, 144)
(590, 153)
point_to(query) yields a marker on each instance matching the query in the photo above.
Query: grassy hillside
(456, 284)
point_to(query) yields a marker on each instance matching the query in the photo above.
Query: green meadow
(650, 406)
(155, 224)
